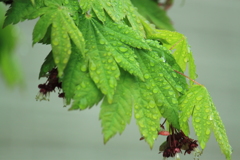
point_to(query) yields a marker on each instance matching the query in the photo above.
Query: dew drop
(151, 104)
(113, 68)
(93, 67)
(123, 49)
(197, 119)
(197, 107)
(207, 110)
(174, 74)
(186, 59)
(96, 79)
(199, 97)
(101, 41)
(84, 68)
(179, 88)
(208, 131)
(137, 116)
(155, 90)
(170, 93)
(147, 76)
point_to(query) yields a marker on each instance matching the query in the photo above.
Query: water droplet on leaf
(197, 119)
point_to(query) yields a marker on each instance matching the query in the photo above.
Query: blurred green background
(32, 130)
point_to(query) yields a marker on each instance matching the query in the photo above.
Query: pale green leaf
(63, 29)
(116, 9)
(115, 116)
(198, 103)
(102, 67)
(156, 84)
(146, 113)
(73, 74)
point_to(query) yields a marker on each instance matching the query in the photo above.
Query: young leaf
(73, 74)
(63, 29)
(153, 69)
(47, 65)
(116, 9)
(146, 113)
(198, 103)
(177, 42)
(151, 11)
(115, 116)
(86, 93)
(107, 44)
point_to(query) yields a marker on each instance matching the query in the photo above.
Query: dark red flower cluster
(175, 143)
(50, 85)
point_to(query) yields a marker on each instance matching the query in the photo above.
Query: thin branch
(188, 78)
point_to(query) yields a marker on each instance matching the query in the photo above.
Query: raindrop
(96, 79)
(101, 41)
(84, 68)
(208, 131)
(170, 92)
(197, 119)
(197, 107)
(155, 90)
(185, 59)
(147, 76)
(199, 97)
(137, 116)
(123, 49)
(151, 104)
(93, 67)
(207, 110)
(113, 68)
(179, 88)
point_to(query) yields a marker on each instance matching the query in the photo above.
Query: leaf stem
(188, 78)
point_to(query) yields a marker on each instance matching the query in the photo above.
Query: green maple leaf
(63, 29)
(115, 116)
(73, 74)
(177, 42)
(198, 104)
(107, 46)
(116, 9)
(151, 11)
(157, 84)
(78, 85)
(20, 10)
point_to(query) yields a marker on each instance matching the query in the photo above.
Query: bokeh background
(32, 130)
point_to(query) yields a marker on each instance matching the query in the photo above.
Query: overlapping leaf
(78, 85)
(73, 74)
(63, 29)
(177, 42)
(115, 116)
(116, 9)
(157, 86)
(198, 103)
(107, 45)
